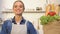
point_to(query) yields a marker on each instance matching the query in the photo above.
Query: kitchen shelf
(34, 12)
(25, 11)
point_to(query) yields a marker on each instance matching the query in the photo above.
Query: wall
(29, 4)
(54, 1)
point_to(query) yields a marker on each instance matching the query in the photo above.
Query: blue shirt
(7, 26)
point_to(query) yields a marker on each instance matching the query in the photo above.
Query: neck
(18, 18)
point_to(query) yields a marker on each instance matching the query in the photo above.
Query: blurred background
(34, 9)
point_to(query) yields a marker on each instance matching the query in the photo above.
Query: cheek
(21, 10)
(14, 10)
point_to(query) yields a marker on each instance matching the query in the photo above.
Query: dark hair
(19, 1)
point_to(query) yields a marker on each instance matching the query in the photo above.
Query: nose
(18, 8)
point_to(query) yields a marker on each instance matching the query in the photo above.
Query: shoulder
(31, 28)
(29, 24)
(6, 22)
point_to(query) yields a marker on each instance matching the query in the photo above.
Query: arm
(3, 31)
(31, 29)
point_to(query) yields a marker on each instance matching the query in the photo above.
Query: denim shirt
(7, 26)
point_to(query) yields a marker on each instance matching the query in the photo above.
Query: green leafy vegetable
(47, 19)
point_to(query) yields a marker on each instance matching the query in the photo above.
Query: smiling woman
(18, 8)
(18, 25)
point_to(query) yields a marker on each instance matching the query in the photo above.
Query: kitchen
(32, 13)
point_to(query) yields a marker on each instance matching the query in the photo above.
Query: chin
(19, 14)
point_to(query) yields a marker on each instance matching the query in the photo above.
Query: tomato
(51, 13)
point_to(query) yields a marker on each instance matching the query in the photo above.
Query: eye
(15, 6)
(21, 6)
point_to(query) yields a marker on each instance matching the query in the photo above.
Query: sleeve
(31, 29)
(3, 31)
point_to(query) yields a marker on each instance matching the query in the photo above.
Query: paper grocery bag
(52, 28)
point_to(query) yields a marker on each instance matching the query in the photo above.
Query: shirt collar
(22, 21)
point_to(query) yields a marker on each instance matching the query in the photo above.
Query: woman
(18, 25)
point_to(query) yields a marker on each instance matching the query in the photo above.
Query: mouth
(18, 10)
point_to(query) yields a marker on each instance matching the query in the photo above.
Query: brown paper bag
(52, 28)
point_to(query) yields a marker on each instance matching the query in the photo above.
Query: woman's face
(18, 8)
